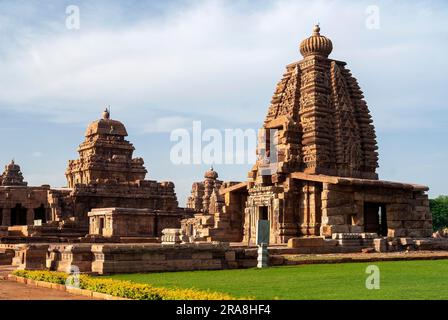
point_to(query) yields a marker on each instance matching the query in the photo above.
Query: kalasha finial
(106, 113)
(316, 30)
(316, 45)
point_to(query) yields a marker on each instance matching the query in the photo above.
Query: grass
(403, 280)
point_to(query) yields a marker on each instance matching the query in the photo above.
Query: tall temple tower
(323, 123)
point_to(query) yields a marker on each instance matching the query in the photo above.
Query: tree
(439, 210)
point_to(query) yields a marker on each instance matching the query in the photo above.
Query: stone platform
(112, 258)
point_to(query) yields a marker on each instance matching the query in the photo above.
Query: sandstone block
(380, 245)
(414, 224)
(356, 229)
(306, 242)
(406, 241)
(395, 224)
(416, 233)
(343, 210)
(396, 233)
(340, 229)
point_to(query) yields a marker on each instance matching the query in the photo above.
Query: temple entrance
(375, 218)
(101, 226)
(40, 214)
(263, 213)
(18, 215)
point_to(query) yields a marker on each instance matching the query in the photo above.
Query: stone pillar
(30, 217)
(6, 220)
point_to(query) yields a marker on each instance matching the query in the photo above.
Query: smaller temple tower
(203, 193)
(107, 176)
(105, 155)
(12, 176)
(216, 218)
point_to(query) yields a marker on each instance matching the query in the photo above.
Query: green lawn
(399, 280)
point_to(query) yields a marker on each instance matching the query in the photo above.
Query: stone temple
(321, 178)
(314, 183)
(105, 176)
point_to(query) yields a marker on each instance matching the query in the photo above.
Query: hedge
(124, 289)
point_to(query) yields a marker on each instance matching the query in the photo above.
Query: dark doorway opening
(101, 226)
(375, 218)
(1, 216)
(40, 214)
(263, 213)
(18, 215)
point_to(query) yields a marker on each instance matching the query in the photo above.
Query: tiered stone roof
(12, 176)
(324, 123)
(105, 155)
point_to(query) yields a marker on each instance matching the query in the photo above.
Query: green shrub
(439, 210)
(124, 289)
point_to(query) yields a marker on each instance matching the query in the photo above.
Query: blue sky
(163, 64)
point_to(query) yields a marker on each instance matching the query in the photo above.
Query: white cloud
(166, 124)
(212, 58)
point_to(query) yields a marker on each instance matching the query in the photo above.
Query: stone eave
(357, 182)
(236, 187)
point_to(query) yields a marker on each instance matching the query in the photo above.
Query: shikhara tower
(326, 127)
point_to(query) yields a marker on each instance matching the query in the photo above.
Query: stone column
(6, 220)
(30, 217)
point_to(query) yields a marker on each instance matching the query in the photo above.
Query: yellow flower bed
(124, 289)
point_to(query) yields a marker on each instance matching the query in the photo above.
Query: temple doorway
(101, 226)
(263, 213)
(375, 218)
(18, 215)
(40, 214)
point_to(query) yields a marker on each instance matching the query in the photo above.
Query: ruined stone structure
(317, 159)
(20, 204)
(205, 195)
(214, 217)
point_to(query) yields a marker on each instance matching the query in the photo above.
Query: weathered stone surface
(306, 242)
(380, 245)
